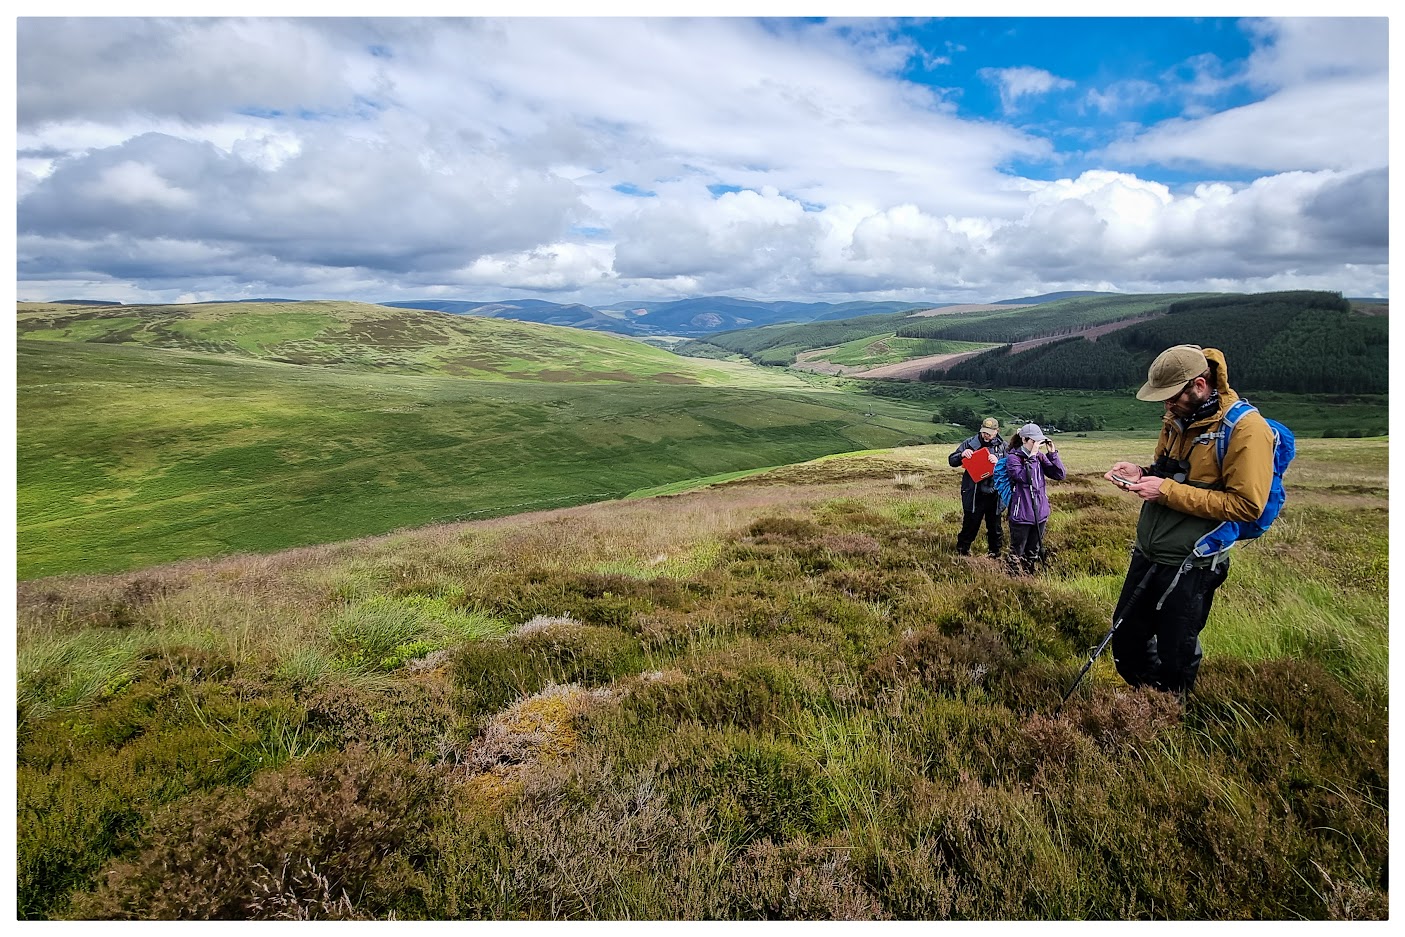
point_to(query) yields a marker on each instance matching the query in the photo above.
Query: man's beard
(1187, 411)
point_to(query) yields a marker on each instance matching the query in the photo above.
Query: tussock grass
(785, 691)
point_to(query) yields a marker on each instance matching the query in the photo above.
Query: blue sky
(1082, 83)
(617, 158)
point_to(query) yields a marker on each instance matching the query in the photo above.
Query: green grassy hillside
(874, 350)
(359, 336)
(785, 691)
(779, 344)
(130, 455)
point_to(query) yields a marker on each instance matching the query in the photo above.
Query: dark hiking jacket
(969, 488)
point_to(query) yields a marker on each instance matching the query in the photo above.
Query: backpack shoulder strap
(1231, 417)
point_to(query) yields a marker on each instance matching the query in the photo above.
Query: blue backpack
(1001, 480)
(1229, 533)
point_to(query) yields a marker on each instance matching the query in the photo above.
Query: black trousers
(987, 508)
(1026, 540)
(1161, 648)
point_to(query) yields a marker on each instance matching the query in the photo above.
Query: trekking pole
(1107, 638)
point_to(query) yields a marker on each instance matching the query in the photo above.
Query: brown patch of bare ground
(813, 361)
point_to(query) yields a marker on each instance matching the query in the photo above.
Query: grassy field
(784, 689)
(130, 455)
(363, 337)
(877, 350)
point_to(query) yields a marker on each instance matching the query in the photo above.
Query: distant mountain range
(685, 317)
(691, 318)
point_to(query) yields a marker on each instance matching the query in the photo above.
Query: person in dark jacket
(1032, 458)
(1186, 493)
(979, 500)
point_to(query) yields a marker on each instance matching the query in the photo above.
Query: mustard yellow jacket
(1211, 493)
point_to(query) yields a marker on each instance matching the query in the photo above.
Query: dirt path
(909, 370)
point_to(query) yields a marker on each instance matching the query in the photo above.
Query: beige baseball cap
(990, 422)
(1171, 371)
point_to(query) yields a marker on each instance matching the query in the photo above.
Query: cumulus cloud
(387, 158)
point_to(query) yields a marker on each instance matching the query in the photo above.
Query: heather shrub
(952, 664)
(910, 878)
(408, 718)
(589, 842)
(336, 837)
(1033, 616)
(1092, 541)
(592, 597)
(800, 881)
(1127, 716)
(589, 654)
(852, 514)
(493, 673)
(767, 530)
(761, 788)
(86, 786)
(874, 585)
(730, 688)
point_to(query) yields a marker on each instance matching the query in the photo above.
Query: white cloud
(1299, 50)
(1339, 123)
(1021, 82)
(557, 267)
(387, 157)
(131, 183)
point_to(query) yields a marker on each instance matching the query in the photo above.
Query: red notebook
(978, 464)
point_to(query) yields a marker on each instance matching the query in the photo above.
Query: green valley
(134, 449)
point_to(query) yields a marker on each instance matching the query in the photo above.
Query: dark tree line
(1302, 299)
(1297, 341)
(1070, 362)
(1007, 330)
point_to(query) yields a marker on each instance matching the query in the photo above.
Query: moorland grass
(782, 696)
(129, 456)
(360, 336)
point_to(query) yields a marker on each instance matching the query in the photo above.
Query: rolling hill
(682, 317)
(361, 336)
(148, 434)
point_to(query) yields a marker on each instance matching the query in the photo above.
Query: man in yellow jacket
(1186, 492)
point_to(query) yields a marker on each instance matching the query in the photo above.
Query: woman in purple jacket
(1027, 467)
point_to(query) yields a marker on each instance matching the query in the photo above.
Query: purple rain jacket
(1029, 502)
